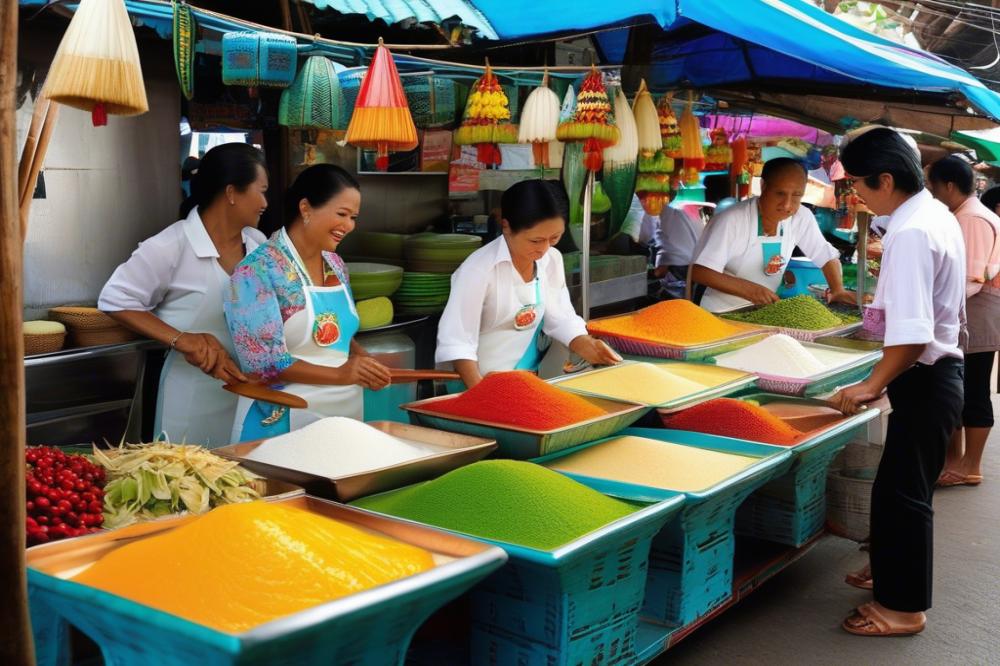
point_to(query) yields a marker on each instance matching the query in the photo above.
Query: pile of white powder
(338, 446)
(779, 355)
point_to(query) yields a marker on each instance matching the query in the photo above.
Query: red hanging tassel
(593, 155)
(488, 153)
(99, 115)
(540, 153)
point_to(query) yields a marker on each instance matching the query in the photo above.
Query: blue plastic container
(806, 273)
(371, 627)
(577, 604)
(691, 558)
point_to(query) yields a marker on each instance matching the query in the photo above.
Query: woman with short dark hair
(510, 295)
(920, 297)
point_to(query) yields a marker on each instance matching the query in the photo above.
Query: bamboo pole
(37, 160)
(30, 144)
(588, 198)
(16, 646)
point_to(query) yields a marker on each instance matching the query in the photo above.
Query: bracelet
(177, 337)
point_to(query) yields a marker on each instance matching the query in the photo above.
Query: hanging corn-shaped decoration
(691, 149)
(539, 121)
(670, 131)
(313, 100)
(381, 120)
(486, 121)
(719, 155)
(184, 28)
(593, 122)
(653, 183)
(96, 67)
(620, 164)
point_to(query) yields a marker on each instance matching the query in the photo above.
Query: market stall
(596, 516)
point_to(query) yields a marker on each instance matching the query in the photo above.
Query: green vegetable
(506, 500)
(146, 481)
(801, 312)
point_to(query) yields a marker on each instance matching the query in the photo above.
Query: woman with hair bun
(292, 316)
(509, 297)
(171, 290)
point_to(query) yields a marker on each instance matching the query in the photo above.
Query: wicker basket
(848, 506)
(82, 318)
(84, 337)
(44, 343)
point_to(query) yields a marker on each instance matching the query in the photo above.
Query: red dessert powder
(520, 399)
(734, 418)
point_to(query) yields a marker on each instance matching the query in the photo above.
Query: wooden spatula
(401, 376)
(265, 394)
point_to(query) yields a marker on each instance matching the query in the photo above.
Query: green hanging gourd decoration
(185, 27)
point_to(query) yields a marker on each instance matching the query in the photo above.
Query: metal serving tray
(456, 450)
(522, 443)
(850, 372)
(739, 381)
(373, 626)
(641, 347)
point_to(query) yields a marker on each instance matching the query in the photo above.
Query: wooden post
(16, 646)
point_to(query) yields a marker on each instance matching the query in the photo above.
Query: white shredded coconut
(779, 355)
(337, 446)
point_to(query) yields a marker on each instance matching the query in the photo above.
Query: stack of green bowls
(438, 253)
(423, 293)
(378, 247)
(369, 280)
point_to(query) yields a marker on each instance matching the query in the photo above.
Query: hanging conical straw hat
(381, 120)
(97, 65)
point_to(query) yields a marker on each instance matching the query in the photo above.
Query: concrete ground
(795, 617)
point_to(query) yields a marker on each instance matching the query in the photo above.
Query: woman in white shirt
(920, 297)
(743, 255)
(510, 296)
(171, 289)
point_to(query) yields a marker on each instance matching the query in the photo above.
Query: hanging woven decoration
(670, 131)
(620, 164)
(691, 150)
(719, 155)
(486, 121)
(258, 59)
(655, 166)
(539, 121)
(381, 120)
(593, 122)
(185, 27)
(313, 101)
(98, 75)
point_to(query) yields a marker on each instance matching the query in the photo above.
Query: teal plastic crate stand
(571, 605)
(691, 558)
(373, 627)
(791, 509)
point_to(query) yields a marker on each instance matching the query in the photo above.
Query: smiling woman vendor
(744, 257)
(292, 315)
(510, 295)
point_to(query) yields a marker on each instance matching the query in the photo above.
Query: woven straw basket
(104, 336)
(82, 318)
(43, 343)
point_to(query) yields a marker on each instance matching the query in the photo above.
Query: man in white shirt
(743, 259)
(675, 234)
(920, 296)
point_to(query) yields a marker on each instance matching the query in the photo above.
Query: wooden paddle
(265, 394)
(401, 376)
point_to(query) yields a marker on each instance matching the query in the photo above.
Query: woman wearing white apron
(743, 254)
(509, 297)
(172, 287)
(292, 315)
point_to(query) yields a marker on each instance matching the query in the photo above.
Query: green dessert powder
(506, 500)
(802, 312)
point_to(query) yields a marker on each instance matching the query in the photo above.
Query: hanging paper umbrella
(691, 149)
(670, 131)
(486, 121)
(539, 121)
(719, 155)
(620, 164)
(98, 75)
(593, 122)
(381, 120)
(655, 167)
(313, 101)
(185, 28)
